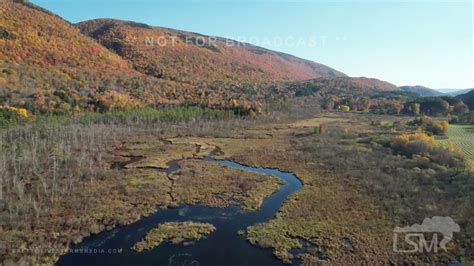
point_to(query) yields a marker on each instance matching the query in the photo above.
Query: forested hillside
(48, 66)
(468, 99)
(195, 58)
(51, 66)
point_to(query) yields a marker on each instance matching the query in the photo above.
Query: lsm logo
(430, 236)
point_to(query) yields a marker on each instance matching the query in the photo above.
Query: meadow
(463, 137)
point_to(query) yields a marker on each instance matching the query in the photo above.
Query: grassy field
(463, 137)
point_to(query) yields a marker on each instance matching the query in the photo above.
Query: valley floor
(356, 191)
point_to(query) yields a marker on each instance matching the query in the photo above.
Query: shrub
(437, 128)
(430, 125)
(113, 100)
(410, 144)
(344, 108)
(13, 115)
(467, 118)
(449, 155)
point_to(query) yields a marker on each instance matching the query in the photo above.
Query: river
(223, 247)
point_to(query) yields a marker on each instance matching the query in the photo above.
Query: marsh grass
(358, 187)
(43, 160)
(175, 232)
(57, 183)
(56, 160)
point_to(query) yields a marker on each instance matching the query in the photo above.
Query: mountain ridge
(468, 99)
(235, 62)
(54, 66)
(421, 90)
(456, 92)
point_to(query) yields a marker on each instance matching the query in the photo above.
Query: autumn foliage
(409, 144)
(48, 65)
(196, 59)
(113, 100)
(422, 144)
(14, 115)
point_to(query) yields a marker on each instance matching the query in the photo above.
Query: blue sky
(418, 42)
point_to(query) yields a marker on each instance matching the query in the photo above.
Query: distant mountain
(454, 92)
(424, 91)
(340, 86)
(421, 91)
(468, 99)
(194, 58)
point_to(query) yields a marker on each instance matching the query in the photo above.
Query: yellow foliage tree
(345, 108)
(112, 100)
(22, 112)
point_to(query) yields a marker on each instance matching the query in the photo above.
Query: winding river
(223, 247)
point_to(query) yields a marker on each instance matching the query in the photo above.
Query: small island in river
(175, 232)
